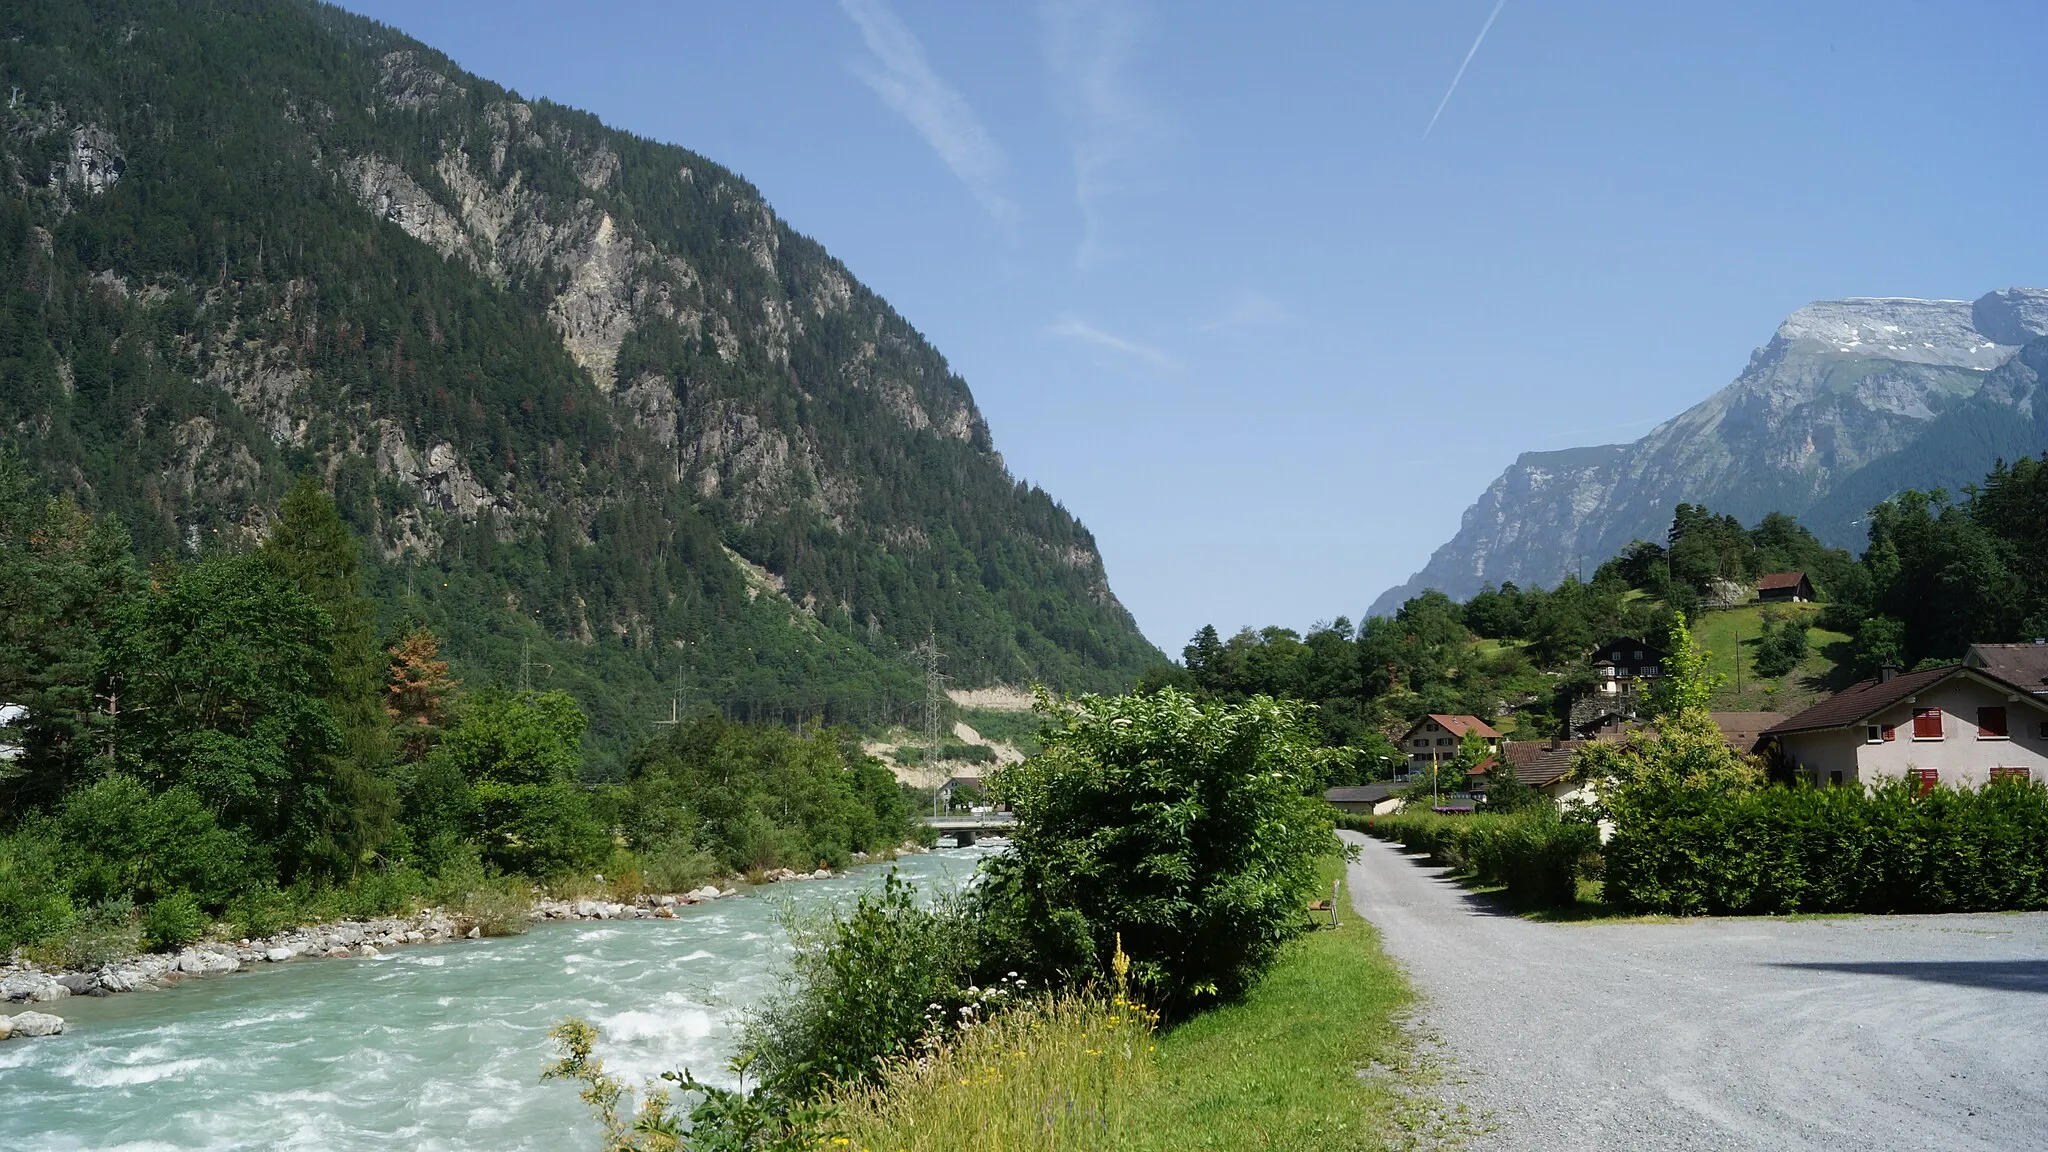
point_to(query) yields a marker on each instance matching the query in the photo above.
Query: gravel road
(1862, 1033)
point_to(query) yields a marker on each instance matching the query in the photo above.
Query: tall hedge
(1803, 849)
(1535, 856)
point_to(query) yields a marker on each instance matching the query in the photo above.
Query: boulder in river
(36, 1024)
(279, 955)
(79, 983)
(33, 986)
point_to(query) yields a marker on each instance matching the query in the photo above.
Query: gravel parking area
(1857, 1033)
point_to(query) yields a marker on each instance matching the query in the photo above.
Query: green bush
(119, 839)
(677, 865)
(263, 910)
(33, 902)
(968, 753)
(864, 984)
(1694, 851)
(173, 921)
(1185, 828)
(497, 909)
(1535, 855)
(537, 829)
(101, 934)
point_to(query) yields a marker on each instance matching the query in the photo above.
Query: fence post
(1333, 902)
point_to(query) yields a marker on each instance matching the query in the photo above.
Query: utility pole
(675, 712)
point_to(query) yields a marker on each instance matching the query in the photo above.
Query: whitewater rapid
(426, 1048)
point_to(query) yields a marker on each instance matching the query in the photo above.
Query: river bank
(25, 982)
(419, 1047)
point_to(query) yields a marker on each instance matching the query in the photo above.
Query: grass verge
(1314, 1059)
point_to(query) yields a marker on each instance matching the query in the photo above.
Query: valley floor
(1849, 1033)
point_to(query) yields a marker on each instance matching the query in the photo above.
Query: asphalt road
(1864, 1033)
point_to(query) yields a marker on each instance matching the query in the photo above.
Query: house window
(1926, 723)
(1834, 778)
(1928, 778)
(1443, 739)
(1649, 670)
(1873, 734)
(1639, 655)
(1991, 724)
(2021, 774)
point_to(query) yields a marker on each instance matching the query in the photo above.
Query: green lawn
(1313, 1060)
(1725, 634)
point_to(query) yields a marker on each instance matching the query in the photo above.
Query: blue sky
(1223, 289)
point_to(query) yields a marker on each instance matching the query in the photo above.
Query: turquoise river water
(436, 1047)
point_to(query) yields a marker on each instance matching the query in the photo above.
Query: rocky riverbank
(22, 981)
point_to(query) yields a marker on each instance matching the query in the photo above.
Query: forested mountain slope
(1851, 402)
(587, 398)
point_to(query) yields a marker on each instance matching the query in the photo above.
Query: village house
(1544, 766)
(2023, 664)
(1784, 588)
(1626, 658)
(1626, 668)
(1363, 799)
(1949, 725)
(966, 789)
(1434, 739)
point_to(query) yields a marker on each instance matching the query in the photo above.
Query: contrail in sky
(1469, 53)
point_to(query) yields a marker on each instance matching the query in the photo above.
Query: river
(437, 1047)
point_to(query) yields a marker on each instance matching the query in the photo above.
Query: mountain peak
(1849, 402)
(2011, 315)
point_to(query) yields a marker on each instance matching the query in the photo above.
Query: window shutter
(1991, 722)
(1926, 723)
(1929, 777)
(1891, 731)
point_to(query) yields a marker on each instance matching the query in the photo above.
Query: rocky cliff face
(570, 370)
(1835, 403)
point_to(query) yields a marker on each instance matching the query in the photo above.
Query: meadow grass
(1061, 1074)
(1314, 1059)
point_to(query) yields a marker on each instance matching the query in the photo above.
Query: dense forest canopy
(595, 411)
(231, 736)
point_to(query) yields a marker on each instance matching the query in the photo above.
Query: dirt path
(1861, 1033)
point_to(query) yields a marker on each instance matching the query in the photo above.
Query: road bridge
(965, 827)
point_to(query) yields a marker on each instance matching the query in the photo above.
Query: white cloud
(901, 75)
(1088, 45)
(1250, 311)
(1072, 328)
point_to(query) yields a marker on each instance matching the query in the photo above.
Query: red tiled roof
(1459, 725)
(1771, 581)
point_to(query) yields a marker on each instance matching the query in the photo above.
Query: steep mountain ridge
(1850, 401)
(558, 376)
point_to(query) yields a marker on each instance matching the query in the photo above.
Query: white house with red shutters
(1948, 725)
